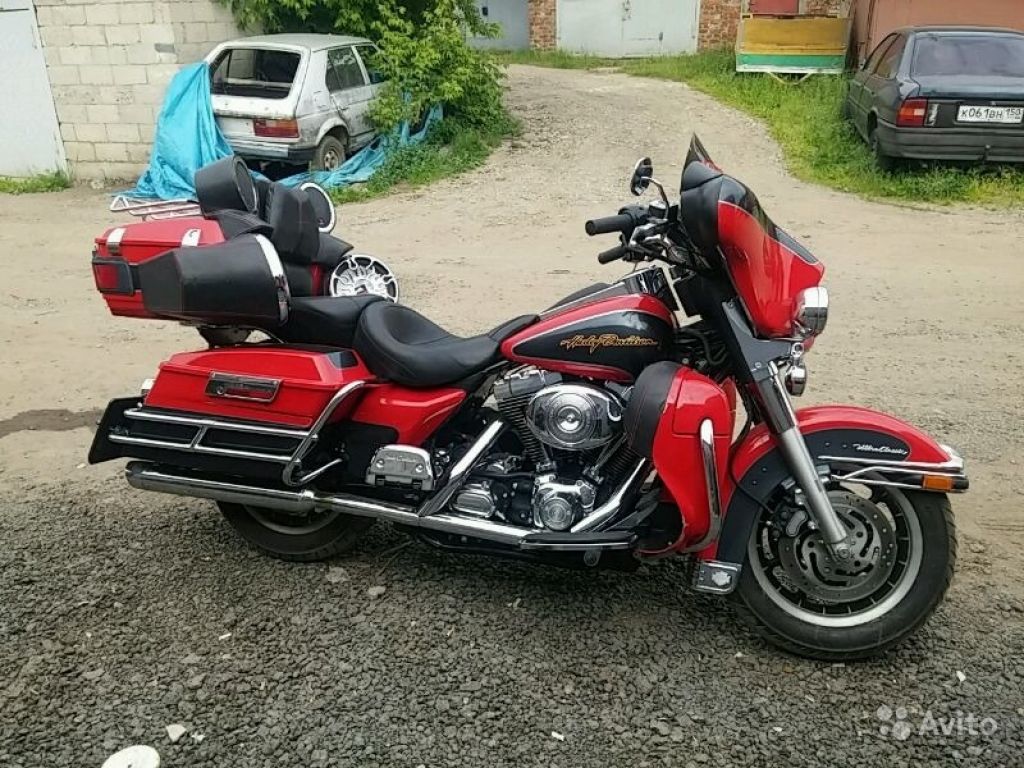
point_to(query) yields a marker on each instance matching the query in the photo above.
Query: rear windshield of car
(978, 55)
(254, 72)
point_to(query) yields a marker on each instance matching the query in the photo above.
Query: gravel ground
(122, 614)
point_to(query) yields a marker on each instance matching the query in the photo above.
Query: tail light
(276, 129)
(912, 113)
(112, 276)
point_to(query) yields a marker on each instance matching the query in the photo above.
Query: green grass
(45, 182)
(819, 145)
(452, 148)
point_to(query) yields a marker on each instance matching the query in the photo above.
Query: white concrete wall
(109, 62)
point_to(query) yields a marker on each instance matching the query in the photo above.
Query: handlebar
(604, 257)
(623, 222)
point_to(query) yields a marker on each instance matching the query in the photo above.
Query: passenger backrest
(293, 220)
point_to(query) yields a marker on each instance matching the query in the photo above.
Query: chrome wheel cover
(799, 576)
(359, 274)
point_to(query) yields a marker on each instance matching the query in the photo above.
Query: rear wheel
(882, 160)
(800, 598)
(300, 538)
(330, 153)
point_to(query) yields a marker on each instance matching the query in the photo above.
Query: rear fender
(895, 453)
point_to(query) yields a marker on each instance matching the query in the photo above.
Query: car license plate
(235, 126)
(975, 114)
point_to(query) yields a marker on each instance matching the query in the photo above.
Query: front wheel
(299, 538)
(797, 596)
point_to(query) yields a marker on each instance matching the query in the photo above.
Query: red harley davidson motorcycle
(599, 433)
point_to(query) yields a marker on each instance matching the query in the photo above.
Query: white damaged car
(295, 98)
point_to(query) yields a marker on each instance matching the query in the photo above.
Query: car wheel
(884, 162)
(330, 153)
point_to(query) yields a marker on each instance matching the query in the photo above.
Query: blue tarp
(188, 137)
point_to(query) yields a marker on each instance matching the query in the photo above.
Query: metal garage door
(512, 16)
(628, 27)
(29, 137)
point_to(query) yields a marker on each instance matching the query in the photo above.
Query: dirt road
(927, 323)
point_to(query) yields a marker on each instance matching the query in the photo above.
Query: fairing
(769, 269)
(677, 457)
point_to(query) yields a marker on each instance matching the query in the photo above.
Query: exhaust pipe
(147, 477)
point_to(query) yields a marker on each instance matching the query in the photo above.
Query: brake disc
(809, 565)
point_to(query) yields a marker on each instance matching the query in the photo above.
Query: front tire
(797, 598)
(296, 538)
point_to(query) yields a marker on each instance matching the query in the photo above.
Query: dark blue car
(942, 93)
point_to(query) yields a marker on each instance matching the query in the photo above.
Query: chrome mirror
(641, 178)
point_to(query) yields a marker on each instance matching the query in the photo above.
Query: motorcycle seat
(326, 320)
(401, 345)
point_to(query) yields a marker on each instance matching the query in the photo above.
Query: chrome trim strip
(457, 474)
(114, 241)
(607, 511)
(277, 271)
(710, 464)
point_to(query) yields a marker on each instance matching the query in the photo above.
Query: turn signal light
(276, 129)
(937, 482)
(912, 113)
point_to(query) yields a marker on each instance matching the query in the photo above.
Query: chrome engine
(574, 417)
(569, 431)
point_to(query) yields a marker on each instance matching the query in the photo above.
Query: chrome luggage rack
(147, 208)
(198, 440)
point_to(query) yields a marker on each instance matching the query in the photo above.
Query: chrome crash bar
(946, 476)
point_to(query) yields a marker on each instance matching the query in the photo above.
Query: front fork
(781, 420)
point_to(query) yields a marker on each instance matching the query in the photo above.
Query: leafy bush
(430, 63)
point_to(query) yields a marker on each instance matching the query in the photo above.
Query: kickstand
(396, 550)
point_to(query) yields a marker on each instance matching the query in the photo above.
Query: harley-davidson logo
(594, 342)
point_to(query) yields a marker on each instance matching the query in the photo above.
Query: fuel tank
(613, 338)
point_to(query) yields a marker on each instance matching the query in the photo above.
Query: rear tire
(330, 153)
(295, 538)
(885, 162)
(787, 618)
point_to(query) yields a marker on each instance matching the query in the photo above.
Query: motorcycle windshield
(766, 265)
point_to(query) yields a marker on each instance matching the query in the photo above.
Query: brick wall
(109, 62)
(543, 24)
(719, 19)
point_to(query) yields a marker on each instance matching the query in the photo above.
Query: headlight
(812, 310)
